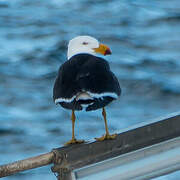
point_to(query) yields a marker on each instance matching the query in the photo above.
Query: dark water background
(145, 39)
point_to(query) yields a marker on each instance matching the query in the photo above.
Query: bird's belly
(83, 96)
(84, 99)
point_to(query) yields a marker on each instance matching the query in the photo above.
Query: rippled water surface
(144, 37)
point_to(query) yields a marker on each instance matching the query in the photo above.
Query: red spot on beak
(107, 52)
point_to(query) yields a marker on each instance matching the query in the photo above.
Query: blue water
(144, 37)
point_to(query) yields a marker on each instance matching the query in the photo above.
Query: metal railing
(69, 161)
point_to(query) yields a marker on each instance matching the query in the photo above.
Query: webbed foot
(74, 141)
(106, 137)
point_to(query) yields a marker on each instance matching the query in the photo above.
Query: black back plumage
(85, 72)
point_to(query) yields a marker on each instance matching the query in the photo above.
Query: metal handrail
(67, 159)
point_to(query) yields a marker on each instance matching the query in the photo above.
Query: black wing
(95, 76)
(85, 72)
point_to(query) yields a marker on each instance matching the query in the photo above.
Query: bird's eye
(85, 43)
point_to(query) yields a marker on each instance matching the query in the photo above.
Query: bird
(85, 81)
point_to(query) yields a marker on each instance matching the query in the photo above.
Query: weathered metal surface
(77, 156)
(66, 159)
(30, 163)
(145, 163)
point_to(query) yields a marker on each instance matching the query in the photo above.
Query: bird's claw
(106, 137)
(74, 141)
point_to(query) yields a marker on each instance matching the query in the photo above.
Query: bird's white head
(86, 44)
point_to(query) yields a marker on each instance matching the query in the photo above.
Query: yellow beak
(103, 49)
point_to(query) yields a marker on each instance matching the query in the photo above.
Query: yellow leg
(73, 140)
(107, 135)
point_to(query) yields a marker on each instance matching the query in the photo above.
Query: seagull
(85, 81)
